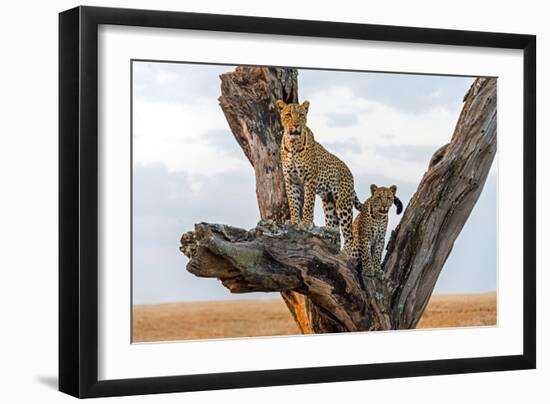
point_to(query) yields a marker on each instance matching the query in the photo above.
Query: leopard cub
(370, 225)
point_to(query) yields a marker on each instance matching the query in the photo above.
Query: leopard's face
(382, 199)
(293, 117)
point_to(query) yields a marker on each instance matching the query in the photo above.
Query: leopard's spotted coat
(309, 169)
(370, 225)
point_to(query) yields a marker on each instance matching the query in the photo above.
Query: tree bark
(277, 257)
(297, 262)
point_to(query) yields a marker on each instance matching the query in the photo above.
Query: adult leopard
(309, 169)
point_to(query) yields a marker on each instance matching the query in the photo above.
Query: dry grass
(250, 318)
(460, 311)
(196, 320)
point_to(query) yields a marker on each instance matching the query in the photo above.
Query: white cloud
(379, 125)
(163, 77)
(436, 94)
(174, 134)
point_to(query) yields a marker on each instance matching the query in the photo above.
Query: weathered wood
(307, 262)
(281, 257)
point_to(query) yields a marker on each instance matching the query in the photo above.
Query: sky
(188, 168)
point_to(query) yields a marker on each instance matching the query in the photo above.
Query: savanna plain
(270, 317)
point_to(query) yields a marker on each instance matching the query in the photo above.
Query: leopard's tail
(356, 202)
(398, 204)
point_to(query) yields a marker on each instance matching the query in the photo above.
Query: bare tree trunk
(279, 257)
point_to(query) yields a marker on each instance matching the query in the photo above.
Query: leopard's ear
(393, 189)
(373, 188)
(280, 104)
(305, 105)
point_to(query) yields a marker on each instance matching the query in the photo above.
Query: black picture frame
(78, 201)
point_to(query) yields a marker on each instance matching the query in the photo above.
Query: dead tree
(321, 285)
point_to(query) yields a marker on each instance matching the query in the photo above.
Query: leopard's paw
(305, 225)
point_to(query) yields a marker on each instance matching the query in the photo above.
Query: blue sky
(188, 167)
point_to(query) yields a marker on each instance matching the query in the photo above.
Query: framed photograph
(251, 201)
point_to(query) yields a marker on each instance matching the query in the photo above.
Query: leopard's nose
(295, 131)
